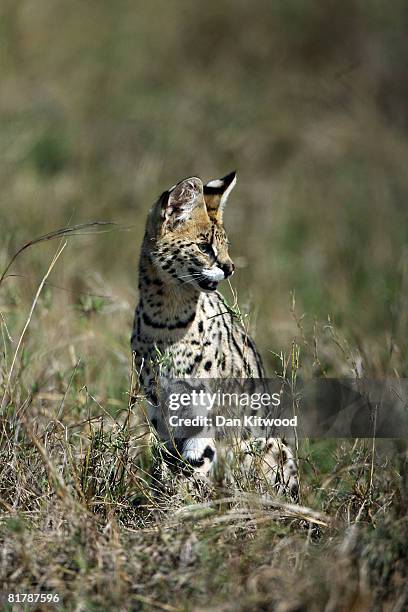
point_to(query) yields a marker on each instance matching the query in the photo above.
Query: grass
(103, 106)
(84, 517)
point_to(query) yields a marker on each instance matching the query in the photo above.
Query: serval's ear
(216, 194)
(181, 201)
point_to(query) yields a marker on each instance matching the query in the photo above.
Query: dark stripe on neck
(177, 325)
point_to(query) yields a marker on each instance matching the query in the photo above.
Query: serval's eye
(206, 248)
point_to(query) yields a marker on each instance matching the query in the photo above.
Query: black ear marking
(218, 186)
(216, 194)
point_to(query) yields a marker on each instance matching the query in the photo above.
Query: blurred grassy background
(103, 105)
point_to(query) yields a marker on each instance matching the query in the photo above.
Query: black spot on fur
(209, 453)
(190, 369)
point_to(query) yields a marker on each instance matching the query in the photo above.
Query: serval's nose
(228, 269)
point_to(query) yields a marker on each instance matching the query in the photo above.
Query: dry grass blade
(27, 323)
(287, 509)
(152, 603)
(64, 232)
(54, 476)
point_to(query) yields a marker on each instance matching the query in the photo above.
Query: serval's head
(185, 235)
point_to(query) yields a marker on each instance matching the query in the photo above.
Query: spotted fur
(182, 327)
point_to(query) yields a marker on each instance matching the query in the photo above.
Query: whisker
(192, 274)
